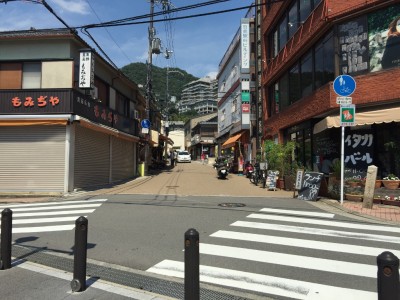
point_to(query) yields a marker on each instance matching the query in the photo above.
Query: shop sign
(245, 96)
(86, 69)
(246, 108)
(245, 44)
(41, 101)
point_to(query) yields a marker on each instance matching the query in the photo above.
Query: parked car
(183, 156)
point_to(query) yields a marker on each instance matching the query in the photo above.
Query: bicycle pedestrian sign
(145, 123)
(344, 85)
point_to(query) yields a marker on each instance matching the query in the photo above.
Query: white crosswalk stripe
(309, 237)
(35, 217)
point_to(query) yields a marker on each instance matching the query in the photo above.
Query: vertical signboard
(353, 45)
(245, 45)
(86, 69)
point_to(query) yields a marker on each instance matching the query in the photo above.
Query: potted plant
(353, 182)
(280, 157)
(391, 182)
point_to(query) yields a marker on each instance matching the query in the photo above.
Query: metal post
(192, 268)
(149, 82)
(78, 284)
(6, 234)
(388, 276)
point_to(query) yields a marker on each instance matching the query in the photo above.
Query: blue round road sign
(344, 85)
(145, 123)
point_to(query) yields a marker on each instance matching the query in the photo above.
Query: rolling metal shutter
(123, 159)
(92, 157)
(32, 158)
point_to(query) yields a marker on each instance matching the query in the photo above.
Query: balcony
(64, 101)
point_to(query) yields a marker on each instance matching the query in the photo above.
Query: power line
(108, 32)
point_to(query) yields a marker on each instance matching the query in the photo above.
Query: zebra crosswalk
(37, 217)
(293, 254)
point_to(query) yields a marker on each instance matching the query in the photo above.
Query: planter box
(391, 184)
(355, 198)
(391, 202)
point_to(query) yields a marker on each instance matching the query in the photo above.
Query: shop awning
(231, 141)
(363, 118)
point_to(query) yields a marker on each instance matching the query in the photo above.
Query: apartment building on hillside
(199, 95)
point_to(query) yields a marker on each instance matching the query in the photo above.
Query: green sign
(245, 96)
(347, 115)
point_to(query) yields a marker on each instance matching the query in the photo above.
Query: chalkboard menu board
(310, 187)
(271, 179)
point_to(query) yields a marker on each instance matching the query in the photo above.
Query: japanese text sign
(347, 115)
(86, 70)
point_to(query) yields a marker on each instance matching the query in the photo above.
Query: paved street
(254, 243)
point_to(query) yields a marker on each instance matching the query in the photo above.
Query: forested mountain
(137, 72)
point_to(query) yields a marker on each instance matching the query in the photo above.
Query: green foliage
(279, 157)
(137, 72)
(337, 168)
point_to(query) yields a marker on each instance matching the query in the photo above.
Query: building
(237, 98)
(68, 119)
(200, 134)
(307, 45)
(199, 95)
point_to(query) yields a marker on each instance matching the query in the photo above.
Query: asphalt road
(249, 237)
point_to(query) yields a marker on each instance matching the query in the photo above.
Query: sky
(198, 44)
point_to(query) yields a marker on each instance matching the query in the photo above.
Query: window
(122, 104)
(31, 75)
(305, 9)
(283, 33)
(294, 84)
(10, 75)
(306, 75)
(324, 61)
(293, 19)
(102, 91)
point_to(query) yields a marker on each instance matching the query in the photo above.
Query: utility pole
(149, 87)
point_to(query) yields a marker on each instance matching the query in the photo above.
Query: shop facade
(55, 136)
(300, 66)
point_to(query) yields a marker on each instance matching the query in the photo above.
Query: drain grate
(139, 281)
(232, 204)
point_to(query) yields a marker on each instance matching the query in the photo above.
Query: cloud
(73, 6)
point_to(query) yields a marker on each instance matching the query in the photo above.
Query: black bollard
(192, 268)
(388, 276)
(78, 283)
(6, 235)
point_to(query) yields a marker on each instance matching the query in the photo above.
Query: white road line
(326, 223)
(263, 283)
(317, 231)
(298, 212)
(64, 207)
(43, 228)
(54, 213)
(302, 243)
(297, 261)
(51, 203)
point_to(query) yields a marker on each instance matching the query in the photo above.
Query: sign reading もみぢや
(86, 69)
(40, 101)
